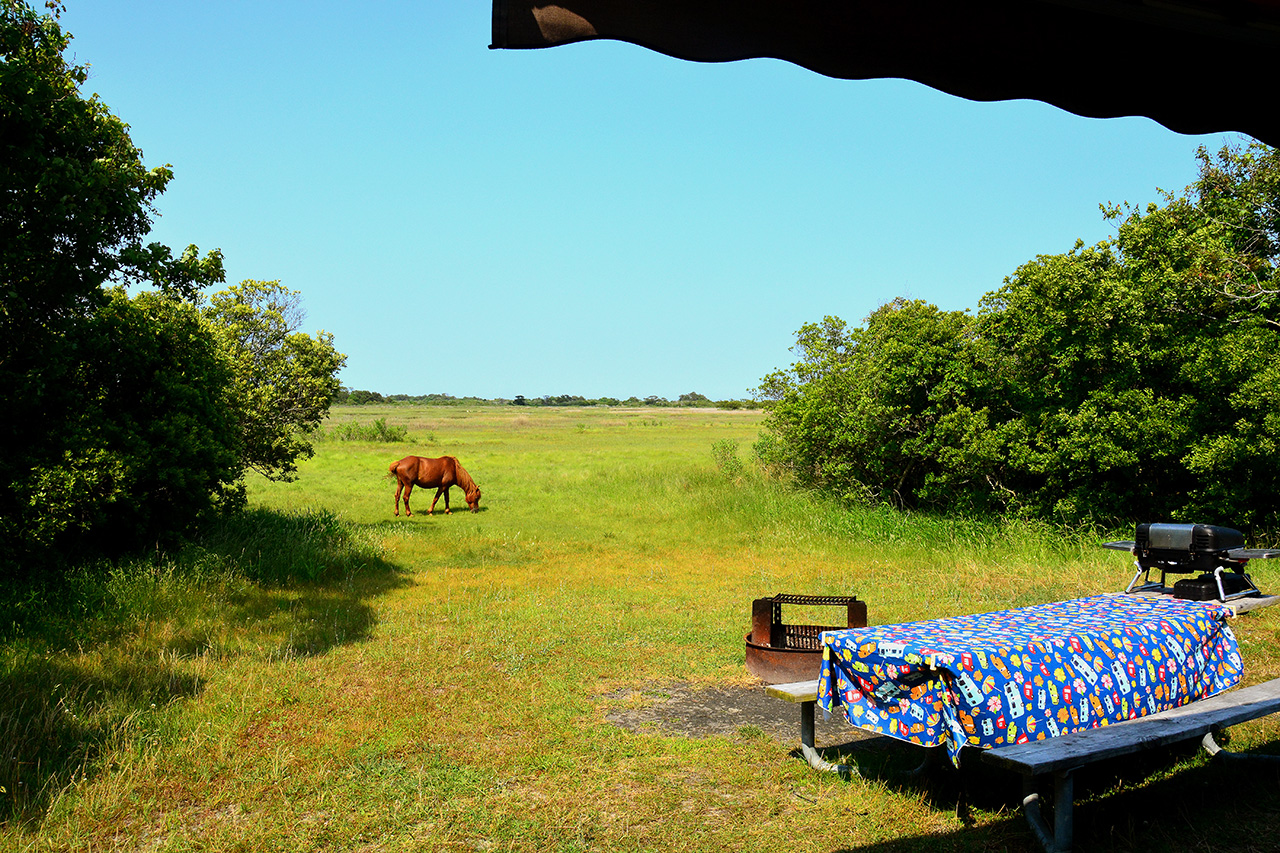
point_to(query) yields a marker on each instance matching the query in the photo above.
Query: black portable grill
(1216, 553)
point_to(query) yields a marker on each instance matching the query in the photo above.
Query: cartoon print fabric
(1028, 674)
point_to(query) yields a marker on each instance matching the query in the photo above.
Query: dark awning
(1195, 66)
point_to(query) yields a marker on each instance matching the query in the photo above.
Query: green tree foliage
(75, 205)
(864, 412)
(283, 379)
(1135, 379)
(158, 436)
(357, 397)
(150, 447)
(124, 421)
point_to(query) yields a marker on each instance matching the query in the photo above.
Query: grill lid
(1189, 545)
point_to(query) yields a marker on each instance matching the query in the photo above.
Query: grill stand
(1148, 585)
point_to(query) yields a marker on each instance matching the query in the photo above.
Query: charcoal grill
(1217, 554)
(778, 653)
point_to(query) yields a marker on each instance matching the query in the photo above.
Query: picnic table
(1045, 690)
(1028, 674)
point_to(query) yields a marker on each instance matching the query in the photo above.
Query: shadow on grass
(1161, 800)
(439, 511)
(1166, 799)
(93, 659)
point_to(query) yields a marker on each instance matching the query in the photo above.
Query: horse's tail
(392, 472)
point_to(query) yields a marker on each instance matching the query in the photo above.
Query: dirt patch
(689, 711)
(685, 710)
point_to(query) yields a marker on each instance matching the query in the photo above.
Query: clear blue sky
(594, 219)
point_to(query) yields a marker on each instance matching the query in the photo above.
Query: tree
(283, 379)
(1234, 213)
(1216, 249)
(150, 448)
(863, 411)
(357, 397)
(75, 205)
(1138, 379)
(1129, 385)
(1078, 388)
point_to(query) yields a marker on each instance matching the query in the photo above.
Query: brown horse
(442, 473)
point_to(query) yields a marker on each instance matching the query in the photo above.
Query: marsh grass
(318, 674)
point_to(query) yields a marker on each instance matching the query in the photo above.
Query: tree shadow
(1165, 799)
(88, 670)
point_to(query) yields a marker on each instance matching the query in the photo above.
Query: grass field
(446, 681)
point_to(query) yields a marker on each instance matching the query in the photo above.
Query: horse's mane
(463, 478)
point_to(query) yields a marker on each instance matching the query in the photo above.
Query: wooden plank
(1237, 605)
(1177, 724)
(795, 691)
(1252, 602)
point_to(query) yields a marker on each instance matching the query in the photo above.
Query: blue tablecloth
(1028, 674)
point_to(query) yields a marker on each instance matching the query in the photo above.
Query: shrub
(376, 431)
(151, 448)
(725, 452)
(1135, 379)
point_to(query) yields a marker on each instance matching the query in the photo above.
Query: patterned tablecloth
(1028, 674)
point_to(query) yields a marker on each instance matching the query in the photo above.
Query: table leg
(1218, 753)
(1059, 839)
(1063, 795)
(810, 752)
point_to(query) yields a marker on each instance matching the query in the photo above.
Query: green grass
(322, 675)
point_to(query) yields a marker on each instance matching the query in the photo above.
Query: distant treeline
(358, 397)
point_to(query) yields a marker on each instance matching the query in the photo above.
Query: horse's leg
(408, 490)
(399, 486)
(436, 498)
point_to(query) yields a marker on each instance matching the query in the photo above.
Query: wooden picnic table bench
(1061, 756)
(805, 694)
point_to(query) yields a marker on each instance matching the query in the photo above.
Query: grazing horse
(442, 473)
